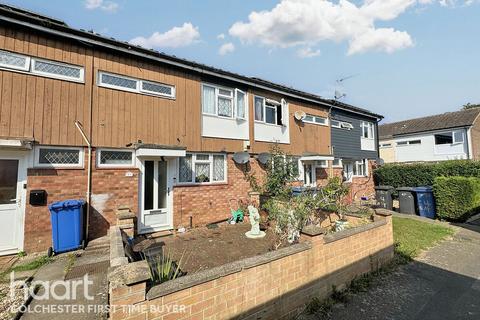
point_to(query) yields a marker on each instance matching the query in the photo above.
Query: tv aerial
(338, 93)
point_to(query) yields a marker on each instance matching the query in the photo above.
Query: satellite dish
(264, 157)
(241, 157)
(300, 115)
(380, 161)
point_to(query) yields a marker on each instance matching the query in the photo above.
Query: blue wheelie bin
(425, 202)
(67, 225)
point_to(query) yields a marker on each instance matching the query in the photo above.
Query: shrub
(423, 174)
(457, 198)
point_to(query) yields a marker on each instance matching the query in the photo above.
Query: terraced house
(87, 117)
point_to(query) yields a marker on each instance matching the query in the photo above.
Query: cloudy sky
(401, 58)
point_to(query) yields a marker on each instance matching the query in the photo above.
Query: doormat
(92, 268)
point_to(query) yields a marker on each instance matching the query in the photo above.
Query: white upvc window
(10, 60)
(337, 163)
(406, 143)
(41, 67)
(360, 168)
(115, 158)
(321, 164)
(124, 83)
(58, 157)
(341, 124)
(458, 136)
(202, 168)
(367, 130)
(54, 69)
(385, 145)
(270, 111)
(316, 120)
(224, 102)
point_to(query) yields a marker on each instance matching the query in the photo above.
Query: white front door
(12, 201)
(156, 195)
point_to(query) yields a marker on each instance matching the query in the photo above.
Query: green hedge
(423, 174)
(457, 198)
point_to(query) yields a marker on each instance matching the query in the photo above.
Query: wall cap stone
(224, 270)
(350, 232)
(129, 274)
(312, 230)
(117, 251)
(383, 212)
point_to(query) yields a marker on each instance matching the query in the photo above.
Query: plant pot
(341, 225)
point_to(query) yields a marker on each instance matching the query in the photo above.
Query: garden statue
(254, 217)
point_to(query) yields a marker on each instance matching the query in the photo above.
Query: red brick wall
(110, 189)
(273, 290)
(209, 203)
(363, 186)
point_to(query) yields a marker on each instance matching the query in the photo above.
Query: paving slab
(69, 300)
(443, 283)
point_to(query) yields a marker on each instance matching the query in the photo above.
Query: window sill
(199, 184)
(270, 124)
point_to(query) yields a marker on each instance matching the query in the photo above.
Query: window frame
(210, 162)
(339, 165)
(138, 88)
(314, 117)
(153, 93)
(233, 99)
(37, 164)
(272, 104)
(455, 140)
(56, 76)
(107, 166)
(28, 68)
(25, 68)
(370, 130)
(363, 162)
(405, 143)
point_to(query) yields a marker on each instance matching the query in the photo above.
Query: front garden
(276, 212)
(289, 247)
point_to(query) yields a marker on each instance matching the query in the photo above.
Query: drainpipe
(89, 174)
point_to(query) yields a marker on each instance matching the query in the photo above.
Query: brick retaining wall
(270, 286)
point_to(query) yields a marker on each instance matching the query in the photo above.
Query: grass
(410, 237)
(32, 265)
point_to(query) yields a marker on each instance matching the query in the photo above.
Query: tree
(469, 105)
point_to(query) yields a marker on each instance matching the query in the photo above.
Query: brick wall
(253, 288)
(363, 186)
(475, 135)
(110, 189)
(209, 203)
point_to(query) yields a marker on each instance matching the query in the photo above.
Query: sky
(399, 58)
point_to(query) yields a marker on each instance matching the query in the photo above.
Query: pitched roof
(43, 23)
(446, 120)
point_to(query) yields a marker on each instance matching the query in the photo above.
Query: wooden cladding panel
(45, 109)
(122, 117)
(42, 108)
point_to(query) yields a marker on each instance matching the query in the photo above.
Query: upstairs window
(223, 102)
(341, 124)
(14, 61)
(367, 130)
(120, 82)
(316, 120)
(409, 142)
(41, 67)
(57, 70)
(271, 111)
